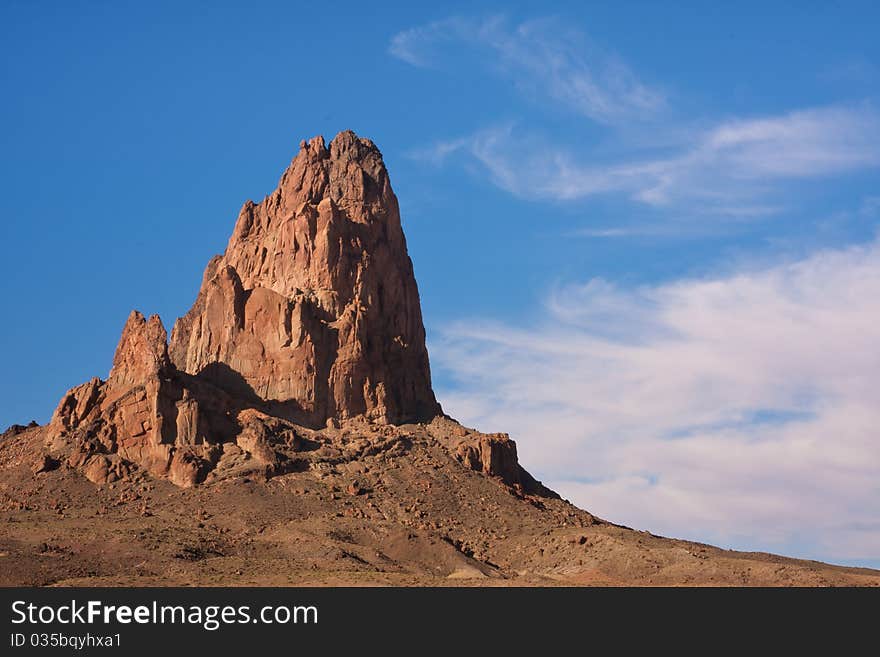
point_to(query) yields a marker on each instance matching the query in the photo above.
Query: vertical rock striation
(314, 304)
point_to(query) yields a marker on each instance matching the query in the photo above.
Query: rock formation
(314, 304)
(311, 318)
(145, 413)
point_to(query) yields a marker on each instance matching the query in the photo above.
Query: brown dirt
(412, 516)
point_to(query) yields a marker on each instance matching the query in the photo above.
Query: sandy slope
(412, 516)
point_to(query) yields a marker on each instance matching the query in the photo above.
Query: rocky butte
(287, 434)
(311, 317)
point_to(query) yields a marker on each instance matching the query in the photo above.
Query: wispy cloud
(544, 58)
(740, 409)
(730, 169)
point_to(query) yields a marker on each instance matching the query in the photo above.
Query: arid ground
(365, 508)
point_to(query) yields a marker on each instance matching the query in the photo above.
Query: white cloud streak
(742, 410)
(729, 169)
(544, 58)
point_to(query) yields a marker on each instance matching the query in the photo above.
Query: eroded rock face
(493, 454)
(308, 324)
(145, 413)
(314, 303)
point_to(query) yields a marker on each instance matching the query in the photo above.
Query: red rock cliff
(314, 304)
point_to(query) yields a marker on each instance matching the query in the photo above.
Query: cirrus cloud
(543, 58)
(729, 169)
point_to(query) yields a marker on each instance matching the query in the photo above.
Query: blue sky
(645, 235)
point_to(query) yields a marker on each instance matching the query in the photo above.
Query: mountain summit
(310, 318)
(314, 303)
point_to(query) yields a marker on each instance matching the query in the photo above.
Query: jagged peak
(142, 352)
(314, 148)
(328, 242)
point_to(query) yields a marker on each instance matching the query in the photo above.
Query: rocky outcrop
(142, 414)
(310, 321)
(493, 454)
(314, 304)
(15, 429)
